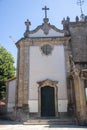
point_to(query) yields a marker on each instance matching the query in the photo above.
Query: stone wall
(78, 33)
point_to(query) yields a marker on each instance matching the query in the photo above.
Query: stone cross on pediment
(27, 23)
(45, 8)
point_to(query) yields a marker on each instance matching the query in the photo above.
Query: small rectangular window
(85, 85)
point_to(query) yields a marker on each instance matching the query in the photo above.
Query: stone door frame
(49, 83)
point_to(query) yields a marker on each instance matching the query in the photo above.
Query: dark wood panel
(47, 101)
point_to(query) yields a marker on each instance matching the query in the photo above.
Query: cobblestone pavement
(8, 125)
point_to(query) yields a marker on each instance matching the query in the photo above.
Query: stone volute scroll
(73, 67)
(75, 72)
(27, 23)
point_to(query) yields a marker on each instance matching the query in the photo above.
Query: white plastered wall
(52, 33)
(11, 95)
(44, 67)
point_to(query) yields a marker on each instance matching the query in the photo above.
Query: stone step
(50, 121)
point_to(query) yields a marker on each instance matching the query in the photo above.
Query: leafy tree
(7, 69)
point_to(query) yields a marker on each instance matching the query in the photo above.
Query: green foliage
(7, 69)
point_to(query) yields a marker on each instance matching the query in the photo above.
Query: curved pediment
(47, 82)
(46, 30)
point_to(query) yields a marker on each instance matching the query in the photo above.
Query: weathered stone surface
(75, 52)
(78, 33)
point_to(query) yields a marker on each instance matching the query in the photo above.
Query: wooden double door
(47, 101)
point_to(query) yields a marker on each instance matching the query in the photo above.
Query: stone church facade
(51, 72)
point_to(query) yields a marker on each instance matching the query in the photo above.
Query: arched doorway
(47, 98)
(47, 101)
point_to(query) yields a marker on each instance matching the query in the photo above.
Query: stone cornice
(39, 41)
